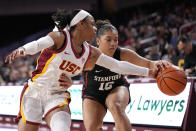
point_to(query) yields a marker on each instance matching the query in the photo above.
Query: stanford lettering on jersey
(69, 67)
(107, 78)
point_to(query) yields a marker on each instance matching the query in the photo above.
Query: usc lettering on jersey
(69, 67)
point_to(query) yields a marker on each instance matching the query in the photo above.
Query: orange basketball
(171, 81)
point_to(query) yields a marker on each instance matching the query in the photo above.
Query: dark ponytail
(63, 18)
(102, 26)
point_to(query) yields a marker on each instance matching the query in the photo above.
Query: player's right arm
(53, 40)
(64, 81)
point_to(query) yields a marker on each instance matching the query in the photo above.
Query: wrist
(152, 73)
(148, 72)
(21, 50)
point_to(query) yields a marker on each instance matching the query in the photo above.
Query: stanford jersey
(100, 81)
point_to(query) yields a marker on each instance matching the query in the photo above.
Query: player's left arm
(121, 67)
(132, 57)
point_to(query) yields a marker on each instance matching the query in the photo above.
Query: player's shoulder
(95, 51)
(56, 34)
(86, 44)
(126, 50)
(123, 49)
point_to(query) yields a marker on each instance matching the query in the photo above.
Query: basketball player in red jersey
(104, 89)
(63, 51)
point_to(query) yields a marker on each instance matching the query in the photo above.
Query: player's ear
(98, 41)
(80, 25)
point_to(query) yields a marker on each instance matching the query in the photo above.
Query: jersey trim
(45, 58)
(21, 106)
(21, 98)
(75, 53)
(63, 46)
(64, 43)
(86, 82)
(67, 101)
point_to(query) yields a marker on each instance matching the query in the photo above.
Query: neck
(76, 38)
(77, 41)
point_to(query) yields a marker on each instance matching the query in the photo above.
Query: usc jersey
(43, 93)
(51, 64)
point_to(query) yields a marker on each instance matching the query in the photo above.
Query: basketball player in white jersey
(63, 51)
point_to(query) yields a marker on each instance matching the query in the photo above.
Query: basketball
(171, 81)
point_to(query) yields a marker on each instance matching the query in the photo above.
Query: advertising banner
(148, 106)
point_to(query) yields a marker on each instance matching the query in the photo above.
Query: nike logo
(98, 71)
(66, 53)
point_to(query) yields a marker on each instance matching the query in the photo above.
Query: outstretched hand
(158, 66)
(65, 81)
(16, 53)
(162, 64)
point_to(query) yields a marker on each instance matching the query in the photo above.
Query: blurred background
(149, 27)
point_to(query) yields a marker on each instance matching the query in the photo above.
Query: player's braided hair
(63, 18)
(102, 26)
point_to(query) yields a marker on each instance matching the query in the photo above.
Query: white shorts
(36, 103)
